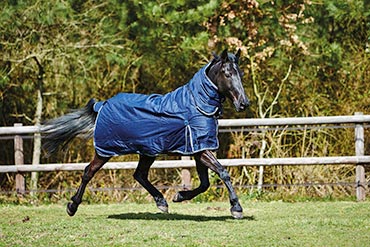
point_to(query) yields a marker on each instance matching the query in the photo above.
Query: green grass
(188, 224)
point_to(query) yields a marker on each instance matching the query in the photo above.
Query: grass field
(188, 224)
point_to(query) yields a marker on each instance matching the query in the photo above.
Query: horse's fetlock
(76, 200)
(160, 201)
(234, 201)
(236, 208)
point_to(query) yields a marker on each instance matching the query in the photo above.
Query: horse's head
(225, 73)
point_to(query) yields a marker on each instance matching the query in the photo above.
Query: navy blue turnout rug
(183, 121)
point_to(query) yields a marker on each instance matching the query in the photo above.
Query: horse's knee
(138, 176)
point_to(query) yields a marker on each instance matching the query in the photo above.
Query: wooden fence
(359, 159)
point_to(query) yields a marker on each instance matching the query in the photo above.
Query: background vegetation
(300, 58)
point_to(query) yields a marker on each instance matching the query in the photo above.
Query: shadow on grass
(161, 216)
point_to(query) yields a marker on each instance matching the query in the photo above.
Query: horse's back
(129, 123)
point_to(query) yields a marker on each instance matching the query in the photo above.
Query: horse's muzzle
(242, 105)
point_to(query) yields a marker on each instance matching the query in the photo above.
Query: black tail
(59, 132)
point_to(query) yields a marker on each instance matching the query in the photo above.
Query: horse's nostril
(244, 105)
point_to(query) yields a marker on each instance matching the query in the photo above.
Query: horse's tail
(59, 132)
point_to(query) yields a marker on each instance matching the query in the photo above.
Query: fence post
(20, 183)
(261, 168)
(185, 176)
(35, 161)
(360, 169)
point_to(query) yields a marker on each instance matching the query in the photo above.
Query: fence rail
(359, 159)
(229, 123)
(334, 160)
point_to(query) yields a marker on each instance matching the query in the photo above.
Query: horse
(183, 122)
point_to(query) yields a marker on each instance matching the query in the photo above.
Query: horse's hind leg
(89, 173)
(204, 184)
(141, 175)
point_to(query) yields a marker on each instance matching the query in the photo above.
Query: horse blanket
(183, 121)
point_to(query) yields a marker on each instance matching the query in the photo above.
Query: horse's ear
(215, 56)
(237, 55)
(224, 56)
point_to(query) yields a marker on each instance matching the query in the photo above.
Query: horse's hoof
(161, 204)
(71, 209)
(178, 197)
(237, 215)
(164, 209)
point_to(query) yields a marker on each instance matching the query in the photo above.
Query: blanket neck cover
(183, 121)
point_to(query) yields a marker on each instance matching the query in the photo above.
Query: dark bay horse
(184, 121)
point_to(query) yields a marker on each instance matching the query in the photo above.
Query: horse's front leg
(141, 175)
(89, 173)
(209, 160)
(204, 183)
